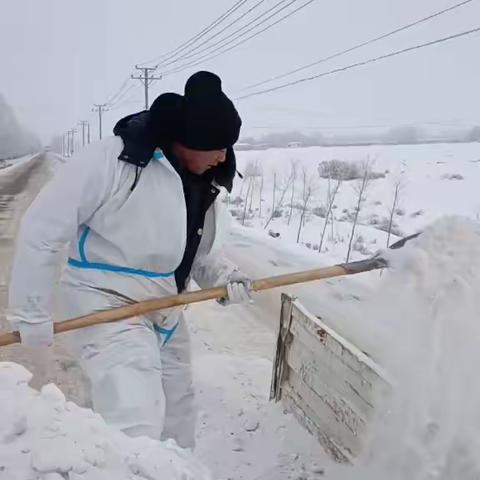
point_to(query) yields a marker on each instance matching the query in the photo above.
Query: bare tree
(292, 198)
(274, 190)
(283, 191)
(306, 196)
(397, 187)
(260, 196)
(360, 188)
(332, 214)
(241, 188)
(332, 193)
(246, 200)
(253, 181)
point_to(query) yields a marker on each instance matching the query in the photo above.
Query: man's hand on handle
(36, 334)
(239, 288)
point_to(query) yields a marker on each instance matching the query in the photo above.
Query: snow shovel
(121, 313)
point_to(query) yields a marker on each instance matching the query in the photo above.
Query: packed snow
(45, 437)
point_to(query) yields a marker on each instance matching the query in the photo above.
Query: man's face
(198, 161)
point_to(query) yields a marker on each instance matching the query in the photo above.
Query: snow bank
(43, 436)
(425, 330)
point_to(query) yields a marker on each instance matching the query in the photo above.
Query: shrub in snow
(236, 201)
(342, 170)
(237, 213)
(418, 213)
(348, 217)
(320, 211)
(373, 219)
(384, 225)
(452, 176)
(360, 246)
(400, 212)
(42, 436)
(277, 213)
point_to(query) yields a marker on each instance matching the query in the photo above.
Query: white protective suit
(124, 247)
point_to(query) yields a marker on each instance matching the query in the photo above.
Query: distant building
(294, 144)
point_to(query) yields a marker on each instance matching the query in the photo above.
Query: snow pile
(427, 334)
(42, 436)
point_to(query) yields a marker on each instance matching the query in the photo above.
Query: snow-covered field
(434, 180)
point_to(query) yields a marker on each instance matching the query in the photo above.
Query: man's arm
(211, 267)
(67, 201)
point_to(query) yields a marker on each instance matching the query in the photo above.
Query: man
(140, 214)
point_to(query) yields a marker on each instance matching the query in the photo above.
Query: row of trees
(402, 134)
(297, 189)
(15, 140)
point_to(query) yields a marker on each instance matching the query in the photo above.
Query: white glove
(36, 334)
(239, 288)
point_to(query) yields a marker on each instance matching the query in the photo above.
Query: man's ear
(225, 172)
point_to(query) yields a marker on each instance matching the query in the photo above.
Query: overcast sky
(58, 57)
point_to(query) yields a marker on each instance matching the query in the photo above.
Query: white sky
(58, 57)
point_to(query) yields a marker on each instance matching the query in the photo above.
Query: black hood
(140, 141)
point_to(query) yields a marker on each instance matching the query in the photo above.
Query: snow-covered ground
(43, 436)
(240, 434)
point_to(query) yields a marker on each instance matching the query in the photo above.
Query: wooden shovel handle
(147, 306)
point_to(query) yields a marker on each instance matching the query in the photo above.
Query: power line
(127, 100)
(209, 57)
(362, 63)
(124, 95)
(229, 40)
(360, 45)
(199, 35)
(188, 53)
(114, 97)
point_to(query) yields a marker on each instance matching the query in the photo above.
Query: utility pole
(69, 143)
(64, 145)
(146, 79)
(72, 144)
(100, 109)
(83, 124)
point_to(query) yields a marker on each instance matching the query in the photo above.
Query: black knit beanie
(203, 119)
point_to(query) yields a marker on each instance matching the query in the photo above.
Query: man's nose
(222, 157)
